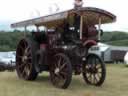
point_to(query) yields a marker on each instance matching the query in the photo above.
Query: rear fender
(89, 43)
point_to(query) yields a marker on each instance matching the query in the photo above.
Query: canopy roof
(90, 15)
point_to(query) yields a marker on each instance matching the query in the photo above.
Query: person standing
(77, 5)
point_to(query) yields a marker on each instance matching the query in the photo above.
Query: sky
(17, 10)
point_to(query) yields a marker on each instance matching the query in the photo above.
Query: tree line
(9, 40)
(116, 38)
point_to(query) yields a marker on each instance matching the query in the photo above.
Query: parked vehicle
(102, 50)
(62, 49)
(7, 61)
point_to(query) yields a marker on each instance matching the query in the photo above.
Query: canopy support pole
(99, 29)
(81, 26)
(37, 28)
(25, 30)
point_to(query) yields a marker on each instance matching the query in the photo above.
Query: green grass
(116, 84)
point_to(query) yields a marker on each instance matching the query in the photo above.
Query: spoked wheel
(94, 70)
(25, 60)
(61, 71)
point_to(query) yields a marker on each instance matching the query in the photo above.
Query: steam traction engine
(61, 49)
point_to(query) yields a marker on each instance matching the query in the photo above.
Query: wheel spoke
(88, 65)
(59, 62)
(99, 75)
(64, 74)
(61, 67)
(29, 65)
(23, 71)
(21, 65)
(27, 69)
(98, 67)
(89, 76)
(29, 58)
(95, 79)
(99, 70)
(19, 56)
(27, 51)
(25, 45)
(57, 80)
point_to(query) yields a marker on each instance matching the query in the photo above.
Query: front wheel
(61, 71)
(94, 70)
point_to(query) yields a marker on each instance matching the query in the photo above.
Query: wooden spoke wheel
(25, 60)
(94, 70)
(61, 71)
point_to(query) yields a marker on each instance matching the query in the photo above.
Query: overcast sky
(17, 10)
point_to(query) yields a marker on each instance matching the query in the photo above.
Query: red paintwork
(89, 43)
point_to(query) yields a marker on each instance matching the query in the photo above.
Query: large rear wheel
(94, 70)
(25, 59)
(61, 71)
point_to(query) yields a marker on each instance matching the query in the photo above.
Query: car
(7, 61)
(7, 58)
(62, 47)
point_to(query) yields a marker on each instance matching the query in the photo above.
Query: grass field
(116, 84)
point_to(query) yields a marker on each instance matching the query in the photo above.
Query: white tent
(126, 58)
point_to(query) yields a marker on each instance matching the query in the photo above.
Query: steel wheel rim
(24, 60)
